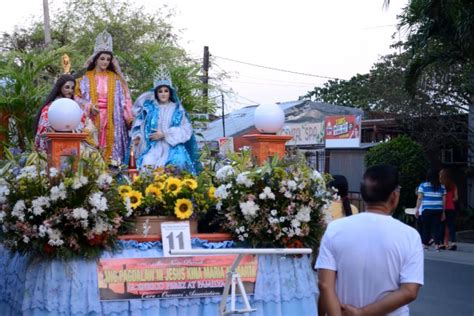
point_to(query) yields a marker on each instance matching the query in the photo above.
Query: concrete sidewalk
(463, 255)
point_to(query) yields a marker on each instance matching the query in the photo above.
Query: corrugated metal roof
(299, 111)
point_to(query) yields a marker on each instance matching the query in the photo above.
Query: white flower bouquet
(58, 214)
(279, 204)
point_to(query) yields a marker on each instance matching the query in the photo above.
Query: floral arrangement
(279, 204)
(167, 192)
(58, 213)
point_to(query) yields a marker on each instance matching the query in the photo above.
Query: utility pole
(47, 30)
(223, 114)
(205, 69)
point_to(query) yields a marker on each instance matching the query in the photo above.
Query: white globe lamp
(64, 115)
(269, 118)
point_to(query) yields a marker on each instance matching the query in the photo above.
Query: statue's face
(163, 95)
(67, 90)
(103, 62)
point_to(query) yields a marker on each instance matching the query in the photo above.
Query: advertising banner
(304, 133)
(171, 277)
(343, 131)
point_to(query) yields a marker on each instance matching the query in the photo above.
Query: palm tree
(26, 78)
(441, 34)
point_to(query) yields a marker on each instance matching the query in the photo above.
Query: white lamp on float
(64, 115)
(269, 118)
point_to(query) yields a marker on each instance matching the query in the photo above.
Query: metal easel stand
(233, 279)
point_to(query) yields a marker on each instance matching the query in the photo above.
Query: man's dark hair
(378, 183)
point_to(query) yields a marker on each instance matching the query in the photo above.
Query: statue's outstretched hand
(157, 135)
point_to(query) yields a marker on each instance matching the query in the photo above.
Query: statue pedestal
(265, 146)
(62, 146)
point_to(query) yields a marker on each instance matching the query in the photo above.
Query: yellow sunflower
(135, 198)
(211, 193)
(153, 190)
(183, 209)
(190, 183)
(124, 190)
(159, 177)
(173, 185)
(159, 184)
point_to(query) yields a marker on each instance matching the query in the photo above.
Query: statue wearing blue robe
(178, 147)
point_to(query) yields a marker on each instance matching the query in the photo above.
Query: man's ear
(394, 199)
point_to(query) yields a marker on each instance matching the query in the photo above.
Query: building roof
(301, 111)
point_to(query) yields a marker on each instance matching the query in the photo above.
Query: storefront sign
(172, 277)
(343, 131)
(304, 133)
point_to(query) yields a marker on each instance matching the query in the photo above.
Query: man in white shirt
(371, 263)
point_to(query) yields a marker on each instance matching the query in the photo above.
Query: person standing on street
(371, 263)
(432, 195)
(448, 227)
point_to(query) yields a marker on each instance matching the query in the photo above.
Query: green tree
(441, 36)
(353, 92)
(408, 157)
(25, 84)
(382, 90)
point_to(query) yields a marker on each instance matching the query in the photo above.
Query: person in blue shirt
(432, 195)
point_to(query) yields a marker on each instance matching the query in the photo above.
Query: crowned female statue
(162, 133)
(103, 94)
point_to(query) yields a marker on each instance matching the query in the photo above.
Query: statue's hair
(55, 92)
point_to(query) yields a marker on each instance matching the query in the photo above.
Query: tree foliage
(142, 41)
(441, 37)
(24, 85)
(383, 90)
(440, 34)
(429, 117)
(408, 157)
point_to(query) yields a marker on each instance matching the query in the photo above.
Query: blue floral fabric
(32, 286)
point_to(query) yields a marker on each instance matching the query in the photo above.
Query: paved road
(449, 284)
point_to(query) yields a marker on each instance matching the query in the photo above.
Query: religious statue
(162, 133)
(64, 88)
(103, 94)
(66, 64)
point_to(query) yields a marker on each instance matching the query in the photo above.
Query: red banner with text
(180, 277)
